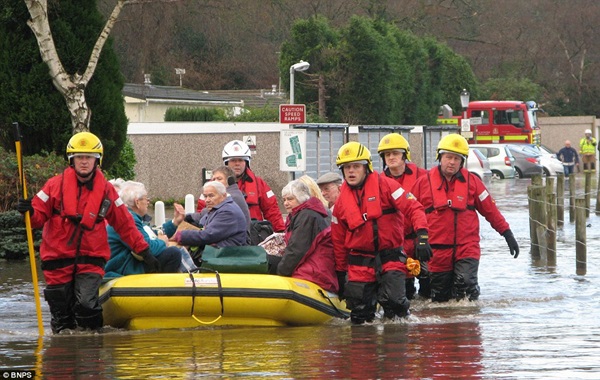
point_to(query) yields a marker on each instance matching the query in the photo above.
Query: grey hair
(221, 189)
(131, 191)
(297, 189)
(117, 183)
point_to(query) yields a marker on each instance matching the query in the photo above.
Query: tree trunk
(322, 98)
(71, 86)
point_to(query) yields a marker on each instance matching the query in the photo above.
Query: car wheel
(546, 172)
(518, 173)
(496, 174)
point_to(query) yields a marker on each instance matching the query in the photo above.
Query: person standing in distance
(395, 155)
(569, 158)
(587, 148)
(452, 197)
(72, 208)
(262, 202)
(366, 227)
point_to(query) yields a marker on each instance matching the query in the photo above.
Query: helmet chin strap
(88, 176)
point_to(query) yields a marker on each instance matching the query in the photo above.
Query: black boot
(60, 298)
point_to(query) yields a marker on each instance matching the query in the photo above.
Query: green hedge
(13, 237)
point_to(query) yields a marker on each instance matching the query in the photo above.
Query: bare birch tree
(70, 85)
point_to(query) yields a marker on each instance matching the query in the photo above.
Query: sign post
(292, 113)
(292, 154)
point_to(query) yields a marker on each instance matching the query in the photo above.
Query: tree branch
(97, 50)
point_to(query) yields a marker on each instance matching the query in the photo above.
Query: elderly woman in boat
(309, 251)
(223, 225)
(122, 261)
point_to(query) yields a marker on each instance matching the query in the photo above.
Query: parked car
(527, 162)
(479, 165)
(500, 158)
(550, 164)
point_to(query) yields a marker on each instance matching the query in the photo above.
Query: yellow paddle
(32, 261)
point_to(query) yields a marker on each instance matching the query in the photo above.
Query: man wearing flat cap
(330, 184)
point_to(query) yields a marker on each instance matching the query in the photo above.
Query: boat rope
(340, 314)
(220, 288)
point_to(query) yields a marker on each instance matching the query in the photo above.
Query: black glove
(190, 219)
(341, 277)
(151, 264)
(24, 205)
(512, 243)
(423, 250)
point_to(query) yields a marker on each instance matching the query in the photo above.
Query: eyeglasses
(146, 198)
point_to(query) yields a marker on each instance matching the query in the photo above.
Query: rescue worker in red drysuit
(365, 223)
(452, 197)
(262, 202)
(394, 151)
(72, 208)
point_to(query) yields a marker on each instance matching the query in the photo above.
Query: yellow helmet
(453, 143)
(394, 141)
(85, 143)
(354, 152)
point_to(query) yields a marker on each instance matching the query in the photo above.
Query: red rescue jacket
(366, 222)
(407, 180)
(262, 202)
(452, 208)
(56, 207)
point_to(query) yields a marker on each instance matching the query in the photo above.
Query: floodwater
(531, 321)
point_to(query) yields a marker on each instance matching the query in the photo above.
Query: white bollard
(190, 207)
(159, 213)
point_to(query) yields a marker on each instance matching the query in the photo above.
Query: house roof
(153, 92)
(255, 98)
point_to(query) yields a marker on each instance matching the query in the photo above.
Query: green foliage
(195, 114)
(511, 88)
(124, 167)
(38, 169)
(373, 72)
(315, 41)
(13, 237)
(28, 95)
(450, 74)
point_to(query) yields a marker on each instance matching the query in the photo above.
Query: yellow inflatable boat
(182, 300)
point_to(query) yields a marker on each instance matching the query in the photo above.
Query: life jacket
(457, 200)
(92, 212)
(354, 216)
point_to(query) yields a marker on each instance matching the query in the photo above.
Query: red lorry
(496, 121)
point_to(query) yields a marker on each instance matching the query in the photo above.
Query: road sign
(292, 113)
(292, 150)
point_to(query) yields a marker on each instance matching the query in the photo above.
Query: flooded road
(531, 321)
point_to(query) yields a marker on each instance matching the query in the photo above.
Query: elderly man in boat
(224, 224)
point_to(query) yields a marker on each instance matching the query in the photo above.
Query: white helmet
(236, 149)
(588, 131)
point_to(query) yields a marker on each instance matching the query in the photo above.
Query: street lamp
(464, 99)
(300, 66)
(464, 103)
(180, 72)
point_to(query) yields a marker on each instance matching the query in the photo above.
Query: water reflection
(338, 351)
